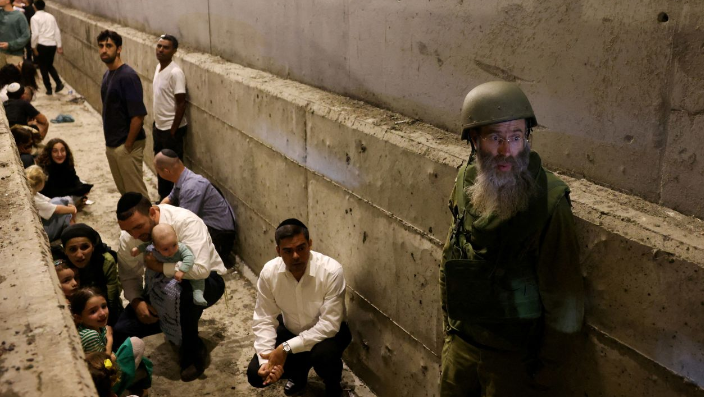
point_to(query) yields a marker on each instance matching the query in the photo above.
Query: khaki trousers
(126, 168)
(7, 59)
(468, 371)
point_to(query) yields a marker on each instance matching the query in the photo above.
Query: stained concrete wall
(38, 340)
(617, 86)
(373, 188)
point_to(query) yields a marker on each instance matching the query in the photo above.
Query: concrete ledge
(373, 186)
(40, 352)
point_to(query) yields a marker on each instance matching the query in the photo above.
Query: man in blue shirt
(195, 193)
(123, 116)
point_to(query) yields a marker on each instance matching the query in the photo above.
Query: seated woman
(57, 161)
(95, 263)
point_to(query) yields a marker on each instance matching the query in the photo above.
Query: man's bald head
(168, 165)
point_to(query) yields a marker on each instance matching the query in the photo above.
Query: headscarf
(92, 273)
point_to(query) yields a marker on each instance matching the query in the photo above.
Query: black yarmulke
(292, 221)
(128, 201)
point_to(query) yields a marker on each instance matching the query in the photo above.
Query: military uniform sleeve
(560, 281)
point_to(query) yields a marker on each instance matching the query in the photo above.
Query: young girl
(90, 313)
(67, 277)
(57, 161)
(57, 214)
(104, 371)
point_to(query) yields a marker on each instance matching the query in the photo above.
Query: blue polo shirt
(198, 195)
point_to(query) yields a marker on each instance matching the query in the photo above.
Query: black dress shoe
(293, 387)
(59, 88)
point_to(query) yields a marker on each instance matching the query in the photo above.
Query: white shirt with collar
(45, 31)
(313, 308)
(190, 230)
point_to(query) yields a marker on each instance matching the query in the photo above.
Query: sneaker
(59, 88)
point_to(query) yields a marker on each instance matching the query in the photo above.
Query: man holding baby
(158, 302)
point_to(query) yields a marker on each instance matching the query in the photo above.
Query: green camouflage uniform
(511, 290)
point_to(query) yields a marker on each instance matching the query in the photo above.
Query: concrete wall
(373, 189)
(613, 83)
(38, 340)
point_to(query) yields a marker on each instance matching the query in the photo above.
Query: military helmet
(495, 102)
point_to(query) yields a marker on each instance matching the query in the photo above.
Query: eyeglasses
(494, 141)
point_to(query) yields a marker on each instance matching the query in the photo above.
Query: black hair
(288, 231)
(29, 75)
(10, 74)
(80, 298)
(130, 203)
(39, 4)
(172, 39)
(110, 34)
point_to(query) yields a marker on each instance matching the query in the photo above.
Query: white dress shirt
(312, 308)
(45, 31)
(190, 230)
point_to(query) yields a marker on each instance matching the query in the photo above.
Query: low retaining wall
(373, 187)
(40, 352)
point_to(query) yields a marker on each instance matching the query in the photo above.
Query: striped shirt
(92, 340)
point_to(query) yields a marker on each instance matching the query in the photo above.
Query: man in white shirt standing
(305, 289)
(46, 42)
(137, 217)
(169, 105)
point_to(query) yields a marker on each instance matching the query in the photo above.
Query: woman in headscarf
(96, 264)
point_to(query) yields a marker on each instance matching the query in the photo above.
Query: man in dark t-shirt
(21, 112)
(123, 116)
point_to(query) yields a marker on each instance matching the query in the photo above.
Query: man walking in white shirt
(46, 42)
(306, 291)
(169, 105)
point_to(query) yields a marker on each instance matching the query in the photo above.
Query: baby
(167, 249)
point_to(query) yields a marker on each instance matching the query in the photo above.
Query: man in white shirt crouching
(307, 290)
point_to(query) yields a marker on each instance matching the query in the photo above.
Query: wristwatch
(287, 348)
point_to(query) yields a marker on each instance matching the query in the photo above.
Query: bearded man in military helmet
(512, 291)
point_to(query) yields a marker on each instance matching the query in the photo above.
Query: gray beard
(503, 194)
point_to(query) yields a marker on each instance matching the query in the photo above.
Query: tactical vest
(489, 265)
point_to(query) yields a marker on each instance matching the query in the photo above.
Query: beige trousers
(7, 59)
(126, 168)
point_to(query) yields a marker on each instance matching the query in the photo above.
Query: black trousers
(164, 140)
(224, 242)
(45, 59)
(325, 358)
(192, 347)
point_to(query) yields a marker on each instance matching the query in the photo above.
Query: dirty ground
(225, 327)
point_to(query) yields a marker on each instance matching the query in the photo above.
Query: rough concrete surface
(38, 340)
(604, 77)
(373, 184)
(225, 327)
